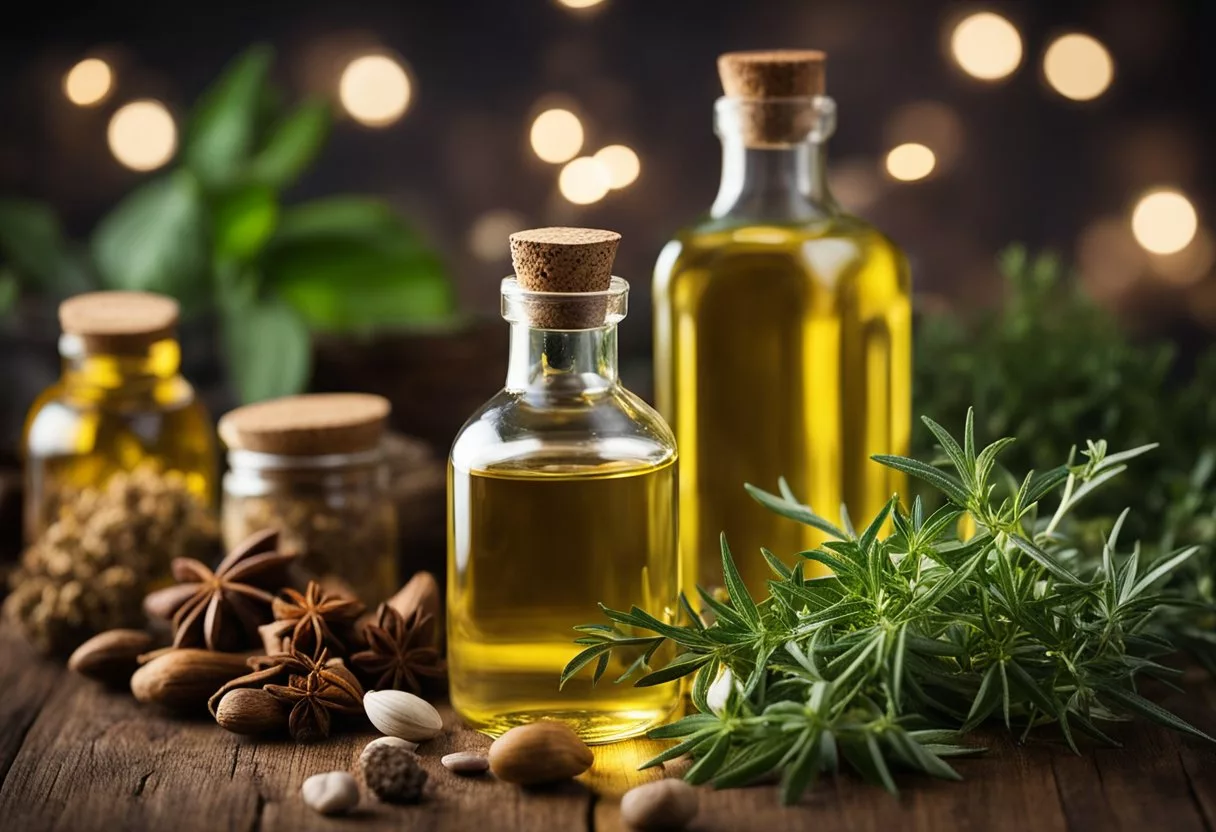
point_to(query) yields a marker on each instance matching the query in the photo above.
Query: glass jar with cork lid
(561, 495)
(121, 418)
(313, 467)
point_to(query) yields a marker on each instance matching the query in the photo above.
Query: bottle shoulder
(614, 426)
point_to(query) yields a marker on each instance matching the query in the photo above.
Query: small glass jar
(313, 467)
(121, 408)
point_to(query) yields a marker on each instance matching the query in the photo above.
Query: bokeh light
(1108, 259)
(1164, 221)
(557, 136)
(142, 135)
(579, 4)
(856, 183)
(910, 162)
(375, 90)
(1188, 266)
(622, 163)
(488, 236)
(930, 123)
(1078, 67)
(986, 46)
(89, 82)
(584, 180)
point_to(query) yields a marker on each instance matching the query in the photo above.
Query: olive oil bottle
(783, 330)
(561, 494)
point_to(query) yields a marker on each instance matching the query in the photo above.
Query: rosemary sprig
(918, 637)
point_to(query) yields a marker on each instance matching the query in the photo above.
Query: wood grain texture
(77, 757)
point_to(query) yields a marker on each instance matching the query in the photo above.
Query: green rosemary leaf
(677, 668)
(583, 659)
(739, 596)
(807, 763)
(1133, 701)
(691, 724)
(947, 484)
(753, 763)
(986, 699)
(600, 667)
(707, 766)
(774, 563)
(964, 463)
(692, 615)
(1044, 559)
(1162, 568)
(690, 744)
(794, 511)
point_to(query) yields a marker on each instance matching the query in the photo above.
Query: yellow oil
(111, 413)
(533, 548)
(781, 351)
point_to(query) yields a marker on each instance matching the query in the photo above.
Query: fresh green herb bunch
(918, 638)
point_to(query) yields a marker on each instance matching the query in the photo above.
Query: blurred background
(350, 183)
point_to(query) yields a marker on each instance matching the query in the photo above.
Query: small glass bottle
(121, 407)
(313, 467)
(562, 494)
(782, 329)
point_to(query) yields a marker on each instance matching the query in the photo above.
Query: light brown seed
(110, 657)
(184, 679)
(664, 804)
(543, 752)
(250, 711)
(463, 762)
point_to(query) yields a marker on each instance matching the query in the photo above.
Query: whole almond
(543, 752)
(112, 656)
(184, 679)
(250, 711)
(400, 714)
(663, 804)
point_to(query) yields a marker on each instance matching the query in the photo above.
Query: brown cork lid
(769, 85)
(310, 425)
(118, 322)
(565, 260)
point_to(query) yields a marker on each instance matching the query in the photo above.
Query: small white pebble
(331, 793)
(463, 762)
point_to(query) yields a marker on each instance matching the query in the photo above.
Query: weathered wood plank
(26, 680)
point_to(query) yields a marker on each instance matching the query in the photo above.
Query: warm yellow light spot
(489, 232)
(986, 46)
(142, 135)
(910, 162)
(1078, 67)
(88, 82)
(375, 90)
(1164, 221)
(585, 180)
(557, 136)
(579, 4)
(622, 163)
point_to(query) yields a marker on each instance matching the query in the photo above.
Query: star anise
(316, 695)
(401, 650)
(222, 609)
(314, 620)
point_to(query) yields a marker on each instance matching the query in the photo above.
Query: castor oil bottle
(783, 330)
(561, 494)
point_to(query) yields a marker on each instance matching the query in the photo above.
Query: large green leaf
(340, 216)
(32, 242)
(155, 240)
(268, 349)
(292, 146)
(243, 220)
(9, 289)
(222, 133)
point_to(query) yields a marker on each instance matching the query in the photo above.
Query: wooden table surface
(76, 757)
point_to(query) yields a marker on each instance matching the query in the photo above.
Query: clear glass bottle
(783, 329)
(120, 406)
(561, 494)
(313, 467)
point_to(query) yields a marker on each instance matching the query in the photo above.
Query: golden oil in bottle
(783, 331)
(561, 495)
(121, 404)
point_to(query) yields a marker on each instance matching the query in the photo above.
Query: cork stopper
(565, 260)
(310, 425)
(119, 322)
(775, 91)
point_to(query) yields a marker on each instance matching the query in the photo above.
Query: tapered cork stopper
(311, 425)
(119, 322)
(775, 89)
(565, 260)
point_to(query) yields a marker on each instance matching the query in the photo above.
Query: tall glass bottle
(783, 328)
(561, 494)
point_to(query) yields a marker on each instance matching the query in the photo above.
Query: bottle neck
(160, 361)
(562, 364)
(774, 158)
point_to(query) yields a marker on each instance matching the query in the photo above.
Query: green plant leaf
(345, 217)
(9, 290)
(155, 240)
(32, 242)
(243, 220)
(360, 285)
(268, 350)
(222, 132)
(292, 146)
